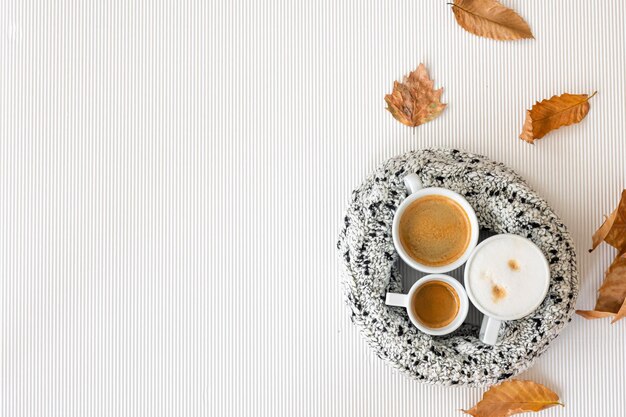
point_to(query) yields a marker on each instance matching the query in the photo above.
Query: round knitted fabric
(504, 203)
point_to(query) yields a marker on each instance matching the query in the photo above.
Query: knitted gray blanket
(504, 203)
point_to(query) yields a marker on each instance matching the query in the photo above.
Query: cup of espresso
(506, 278)
(436, 304)
(434, 229)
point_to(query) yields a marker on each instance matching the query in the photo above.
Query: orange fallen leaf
(594, 314)
(613, 230)
(621, 313)
(612, 293)
(513, 397)
(554, 113)
(490, 19)
(414, 101)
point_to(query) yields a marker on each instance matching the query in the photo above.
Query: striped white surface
(172, 182)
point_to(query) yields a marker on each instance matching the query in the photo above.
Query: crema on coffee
(435, 304)
(434, 230)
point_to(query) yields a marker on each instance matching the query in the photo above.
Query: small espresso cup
(416, 191)
(407, 301)
(506, 278)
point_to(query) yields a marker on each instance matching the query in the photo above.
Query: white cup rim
(456, 197)
(468, 288)
(463, 304)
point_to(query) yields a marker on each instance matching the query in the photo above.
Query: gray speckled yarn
(504, 203)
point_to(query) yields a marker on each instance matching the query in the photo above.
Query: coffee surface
(434, 230)
(435, 304)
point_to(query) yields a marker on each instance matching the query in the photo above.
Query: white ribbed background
(173, 176)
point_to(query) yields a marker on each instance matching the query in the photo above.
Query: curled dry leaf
(414, 101)
(490, 19)
(613, 230)
(621, 313)
(612, 293)
(554, 113)
(513, 397)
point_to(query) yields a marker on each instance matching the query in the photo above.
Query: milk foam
(507, 276)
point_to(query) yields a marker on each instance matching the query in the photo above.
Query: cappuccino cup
(434, 229)
(506, 278)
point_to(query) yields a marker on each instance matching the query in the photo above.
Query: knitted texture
(504, 203)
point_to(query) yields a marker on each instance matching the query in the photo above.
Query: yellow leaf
(612, 293)
(513, 397)
(414, 101)
(554, 113)
(613, 230)
(490, 19)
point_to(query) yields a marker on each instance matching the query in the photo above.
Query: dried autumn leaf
(621, 313)
(490, 19)
(613, 230)
(593, 314)
(513, 397)
(554, 113)
(414, 101)
(612, 294)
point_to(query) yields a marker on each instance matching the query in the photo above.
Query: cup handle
(396, 300)
(413, 183)
(489, 330)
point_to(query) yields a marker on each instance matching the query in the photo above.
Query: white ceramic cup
(416, 191)
(404, 300)
(491, 322)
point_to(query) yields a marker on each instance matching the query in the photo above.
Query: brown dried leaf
(612, 294)
(414, 101)
(554, 113)
(613, 230)
(490, 19)
(593, 314)
(620, 314)
(513, 397)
